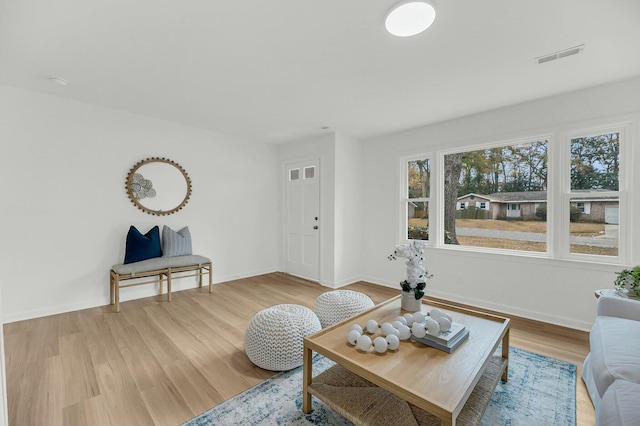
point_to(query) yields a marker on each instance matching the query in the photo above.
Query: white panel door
(301, 219)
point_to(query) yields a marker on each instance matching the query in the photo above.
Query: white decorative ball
(432, 326)
(418, 317)
(405, 332)
(436, 313)
(445, 324)
(372, 326)
(387, 329)
(447, 316)
(380, 344)
(397, 324)
(352, 337)
(418, 330)
(363, 343)
(395, 331)
(409, 319)
(401, 319)
(393, 341)
(356, 327)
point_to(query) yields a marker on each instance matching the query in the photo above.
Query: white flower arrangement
(417, 275)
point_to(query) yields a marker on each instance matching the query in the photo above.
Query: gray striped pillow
(176, 243)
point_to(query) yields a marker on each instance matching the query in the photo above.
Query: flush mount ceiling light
(409, 18)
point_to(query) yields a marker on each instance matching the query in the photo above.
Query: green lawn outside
(577, 229)
(518, 225)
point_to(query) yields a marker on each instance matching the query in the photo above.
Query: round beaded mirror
(158, 186)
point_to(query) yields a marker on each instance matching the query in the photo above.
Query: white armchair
(612, 306)
(611, 371)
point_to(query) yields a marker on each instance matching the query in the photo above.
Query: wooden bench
(158, 268)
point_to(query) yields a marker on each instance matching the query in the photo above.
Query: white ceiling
(276, 70)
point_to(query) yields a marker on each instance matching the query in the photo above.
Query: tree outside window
(594, 203)
(417, 202)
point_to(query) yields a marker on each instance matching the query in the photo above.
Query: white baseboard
(126, 294)
(497, 307)
(54, 310)
(134, 293)
(510, 310)
(346, 282)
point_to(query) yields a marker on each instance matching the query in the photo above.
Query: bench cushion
(159, 263)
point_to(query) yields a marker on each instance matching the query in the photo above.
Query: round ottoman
(335, 306)
(273, 339)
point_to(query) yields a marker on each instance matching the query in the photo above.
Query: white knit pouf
(274, 337)
(335, 306)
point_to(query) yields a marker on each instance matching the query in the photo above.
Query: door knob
(315, 227)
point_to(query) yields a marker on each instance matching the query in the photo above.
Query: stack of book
(447, 341)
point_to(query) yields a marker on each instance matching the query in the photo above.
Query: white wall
(350, 208)
(66, 213)
(560, 292)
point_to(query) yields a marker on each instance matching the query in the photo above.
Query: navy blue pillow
(141, 247)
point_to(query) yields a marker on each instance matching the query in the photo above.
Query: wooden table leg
(505, 354)
(169, 285)
(306, 379)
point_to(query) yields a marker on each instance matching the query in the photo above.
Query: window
(294, 174)
(584, 207)
(309, 172)
(594, 196)
(418, 178)
(514, 178)
(506, 197)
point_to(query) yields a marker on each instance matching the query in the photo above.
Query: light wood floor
(164, 363)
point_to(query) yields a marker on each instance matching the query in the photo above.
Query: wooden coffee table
(451, 387)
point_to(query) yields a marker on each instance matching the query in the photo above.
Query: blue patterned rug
(541, 391)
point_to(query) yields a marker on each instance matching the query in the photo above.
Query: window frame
(404, 195)
(558, 190)
(488, 144)
(624, 130)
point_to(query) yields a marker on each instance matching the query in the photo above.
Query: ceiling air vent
(561, 54)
